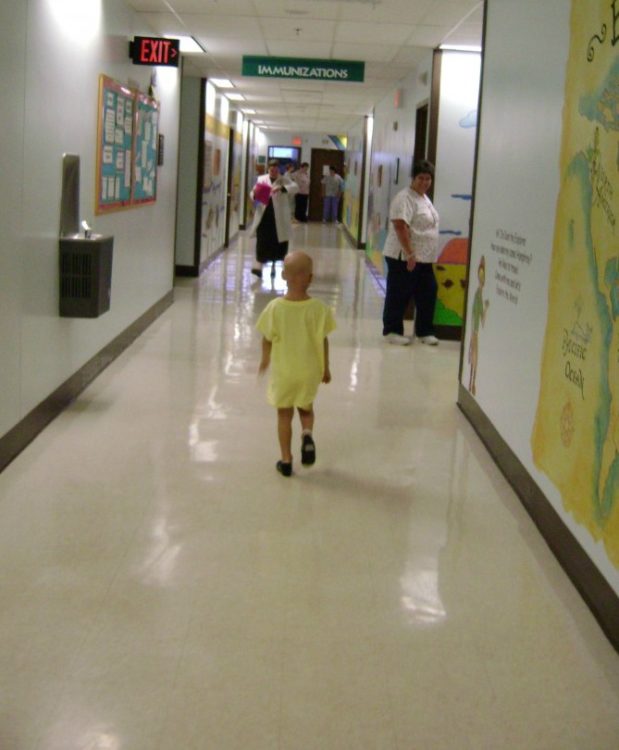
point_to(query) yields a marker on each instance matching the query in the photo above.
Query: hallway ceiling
(391, 36)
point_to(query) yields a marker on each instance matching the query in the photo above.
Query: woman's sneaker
(395, 338)
(431, 340)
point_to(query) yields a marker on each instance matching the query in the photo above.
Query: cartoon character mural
(480, 309)
(450, 273)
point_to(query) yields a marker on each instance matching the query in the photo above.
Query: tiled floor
(163, 588)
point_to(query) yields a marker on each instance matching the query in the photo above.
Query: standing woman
(302, 178)
(410, 250)
(271, 224)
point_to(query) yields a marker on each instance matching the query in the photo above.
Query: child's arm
(326, 378)
(266, 356)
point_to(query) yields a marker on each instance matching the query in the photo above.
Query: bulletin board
(127, 142)
(114, 146)
(146, 142)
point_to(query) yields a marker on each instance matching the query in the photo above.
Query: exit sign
(148, 50)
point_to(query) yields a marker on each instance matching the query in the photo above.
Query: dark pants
(268, 246)
(402, 285)
(300, 207)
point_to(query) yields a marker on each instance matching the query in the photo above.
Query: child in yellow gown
(295, 329)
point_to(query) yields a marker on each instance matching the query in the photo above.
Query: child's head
(298, 267)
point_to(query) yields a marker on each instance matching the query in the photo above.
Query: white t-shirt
(334, 185)
(303, 181)
(421, 217)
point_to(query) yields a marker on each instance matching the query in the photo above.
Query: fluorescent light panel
(222, 83)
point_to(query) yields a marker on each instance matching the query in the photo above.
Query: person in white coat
(271, 225)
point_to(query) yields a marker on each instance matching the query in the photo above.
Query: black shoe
(257, 272)
(308, 450)
(283, 468)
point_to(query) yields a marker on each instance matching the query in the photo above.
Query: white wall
(188, 171)
(49, 100)
(308, 141)
(12, 83)
(390, 144)
(457, 128)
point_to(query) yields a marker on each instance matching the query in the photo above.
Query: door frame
(322, 157)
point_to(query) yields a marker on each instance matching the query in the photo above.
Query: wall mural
(575, 438)
(216, 139)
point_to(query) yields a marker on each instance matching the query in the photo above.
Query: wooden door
(421, 133)
(322, 158)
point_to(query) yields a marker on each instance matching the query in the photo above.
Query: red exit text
(154, 51)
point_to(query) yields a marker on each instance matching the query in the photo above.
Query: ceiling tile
(466, 34)
(393, 37)
(223, 27)
(317, 50)
(410, 56)
(392, 11)
(317, 9)
(381, 53)
(211, 7)
(367, 33)
(428, 36)
(450, 12)
(286, 28)
(162, 23)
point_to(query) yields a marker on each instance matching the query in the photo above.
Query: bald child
(294, 332)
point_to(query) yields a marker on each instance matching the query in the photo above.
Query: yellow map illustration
(575, 438)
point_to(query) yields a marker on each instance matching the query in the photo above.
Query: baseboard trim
(448, 333)
(352, 240)
(590, 583)
(195, 271)
(186, 271)
(24, 432)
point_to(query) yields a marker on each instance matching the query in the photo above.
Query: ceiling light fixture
(222, 83)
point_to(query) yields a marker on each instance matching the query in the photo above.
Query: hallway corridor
(164, 588)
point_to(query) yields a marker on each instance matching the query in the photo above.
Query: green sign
(305, 69)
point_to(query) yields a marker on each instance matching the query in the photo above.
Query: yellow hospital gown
(297, 331)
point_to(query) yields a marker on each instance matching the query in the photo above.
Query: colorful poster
(351, 202)
(216, 144)
(575, 438)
